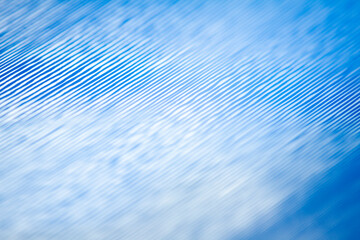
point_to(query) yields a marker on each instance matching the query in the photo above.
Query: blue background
(179, 119)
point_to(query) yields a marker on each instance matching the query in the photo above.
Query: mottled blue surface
(179, 119)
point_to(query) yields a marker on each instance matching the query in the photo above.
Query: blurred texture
(179, 119)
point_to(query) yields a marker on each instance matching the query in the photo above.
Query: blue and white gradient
(179, 119)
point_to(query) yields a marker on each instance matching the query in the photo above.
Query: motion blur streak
(179, 120)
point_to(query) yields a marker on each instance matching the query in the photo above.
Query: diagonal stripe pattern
(172, 120)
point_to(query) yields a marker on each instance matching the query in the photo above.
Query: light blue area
(179, 120)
